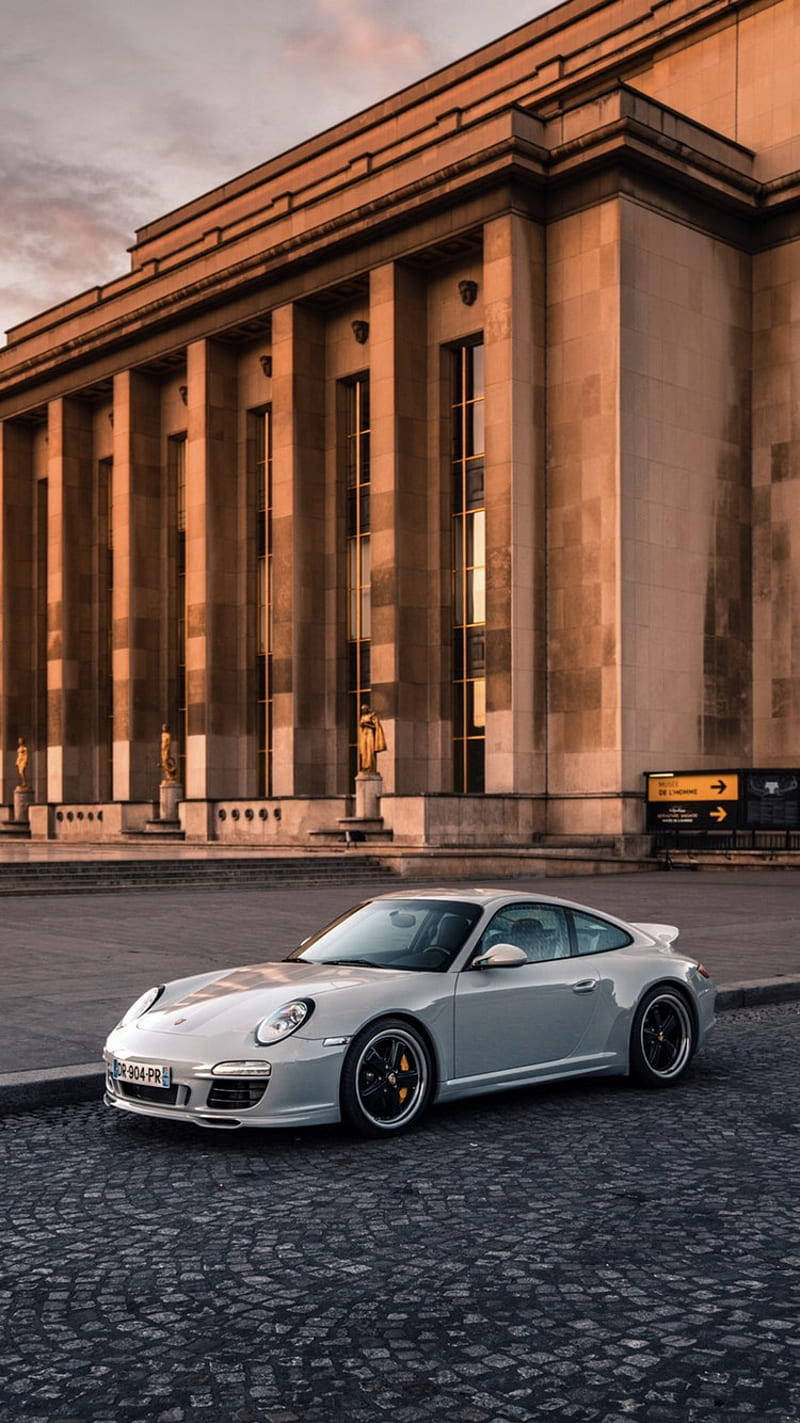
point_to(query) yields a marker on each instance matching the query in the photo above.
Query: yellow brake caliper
(404, 1066)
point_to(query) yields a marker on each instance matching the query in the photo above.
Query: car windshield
(421, 935)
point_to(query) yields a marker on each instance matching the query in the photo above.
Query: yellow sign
(719, 785)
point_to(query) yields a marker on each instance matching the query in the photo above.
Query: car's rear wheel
(386, 1079)
(663, 1038)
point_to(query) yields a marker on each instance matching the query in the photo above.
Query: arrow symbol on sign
(719, 814)
(719, 786)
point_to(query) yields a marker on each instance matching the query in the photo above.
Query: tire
(663, 1037)
(386, 1079)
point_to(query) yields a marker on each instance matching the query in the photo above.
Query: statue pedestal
(19, 828)
(169, 793)
(168, 825)
(369, 788)
(367, 823)
(23, 797)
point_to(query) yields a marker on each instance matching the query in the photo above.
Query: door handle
(584, 985)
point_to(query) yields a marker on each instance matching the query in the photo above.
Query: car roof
(492, 897)
(465, 893)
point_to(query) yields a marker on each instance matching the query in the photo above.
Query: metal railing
(720, 840)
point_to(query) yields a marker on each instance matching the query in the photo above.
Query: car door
(510, 1019)
(600, 946)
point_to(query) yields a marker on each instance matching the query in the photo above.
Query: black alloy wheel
(386, 1079)
(663, 1038)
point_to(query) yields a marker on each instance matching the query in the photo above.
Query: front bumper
(302, 1088)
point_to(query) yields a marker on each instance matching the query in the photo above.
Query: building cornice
(618, 131)
(543, 65)
(549, 78)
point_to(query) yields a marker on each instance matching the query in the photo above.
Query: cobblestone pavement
(587, 1251)
(70, 965)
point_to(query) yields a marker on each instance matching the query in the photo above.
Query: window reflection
(177, 479)
(260, 456)
(359, 575)
(469, 570)
(105, 611)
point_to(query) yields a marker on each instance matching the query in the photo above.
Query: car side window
(540, 929)
(596, 936)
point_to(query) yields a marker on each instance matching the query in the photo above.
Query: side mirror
(501, 956)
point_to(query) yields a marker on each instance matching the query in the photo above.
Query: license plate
(146, 1074)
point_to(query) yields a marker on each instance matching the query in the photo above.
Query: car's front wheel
(386, 1079)
(663, 1037)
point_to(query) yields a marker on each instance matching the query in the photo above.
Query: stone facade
(483, 406)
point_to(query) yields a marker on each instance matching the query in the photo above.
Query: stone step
(143, 865)
(293, 871)
(78, 877)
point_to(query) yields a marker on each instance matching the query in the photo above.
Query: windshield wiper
(357, 963)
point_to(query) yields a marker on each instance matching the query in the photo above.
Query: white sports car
(414, 997)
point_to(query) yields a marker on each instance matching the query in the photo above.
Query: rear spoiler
(663, 933)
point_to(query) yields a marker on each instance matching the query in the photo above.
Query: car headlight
(141, 1005)
(285, 1021)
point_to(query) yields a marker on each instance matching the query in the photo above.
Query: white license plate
(146, 1074)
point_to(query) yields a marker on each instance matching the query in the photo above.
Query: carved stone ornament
(469, 292)
(265, 363)
(361, 331)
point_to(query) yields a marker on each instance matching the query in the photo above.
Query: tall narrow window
(105, 586)
(40, 730)
(177, 473)
(356, 453)
(260, 445)
(469, 572)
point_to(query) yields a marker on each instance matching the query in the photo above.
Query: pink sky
(112, 113)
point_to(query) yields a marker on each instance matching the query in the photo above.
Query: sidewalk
(71, 965)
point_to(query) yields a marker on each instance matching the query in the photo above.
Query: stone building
(482, 407)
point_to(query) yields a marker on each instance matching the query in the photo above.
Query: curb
(65, 1086)
(752, 993)
(54, 1087)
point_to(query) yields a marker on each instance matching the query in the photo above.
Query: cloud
(112, 114)
(343, 33)
(63, 227)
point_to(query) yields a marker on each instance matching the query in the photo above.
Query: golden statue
(22, 764)
(168, 763)
(371, 740)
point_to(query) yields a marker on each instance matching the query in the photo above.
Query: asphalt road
(71, 964)
(589, 1251)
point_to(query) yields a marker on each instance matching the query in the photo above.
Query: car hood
(239, 998)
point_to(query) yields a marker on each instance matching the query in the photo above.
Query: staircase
(105, 876)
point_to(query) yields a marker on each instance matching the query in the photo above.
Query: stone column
(214, 712)
(300, 742)
(398, 518)
(138, 615)
(70, 671)
(17, 600)
(513, 304)
(586, 592)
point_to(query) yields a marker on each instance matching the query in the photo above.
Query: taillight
(703, 971)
